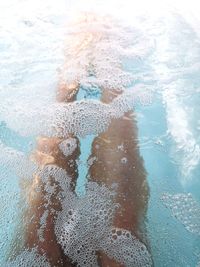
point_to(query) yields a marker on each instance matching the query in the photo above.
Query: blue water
(172, 65)
(172, 245)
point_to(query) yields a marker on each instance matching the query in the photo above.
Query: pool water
(165, 63)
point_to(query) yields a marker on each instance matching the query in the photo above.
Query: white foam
(84, 226)
(125, 248)
(29, 258)
(17, 161)
(187, 150)
(97, 45)
(95, 50)
(186, 209)
(68, 146)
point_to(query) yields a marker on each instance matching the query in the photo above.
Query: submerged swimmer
(116, 161)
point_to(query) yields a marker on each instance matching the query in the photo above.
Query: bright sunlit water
(167, 62)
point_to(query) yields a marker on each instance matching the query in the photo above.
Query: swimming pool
(164, 64)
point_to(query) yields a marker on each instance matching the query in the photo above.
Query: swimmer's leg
(47, 153)
(118, 161)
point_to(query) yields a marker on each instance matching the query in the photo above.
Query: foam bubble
(17, 161)
(125, 248)
(186, 209)
(84, 226)
(91, 160)
(54, 179)
(29, 258)
(124, 160)
(68, 146)
(87, 117)
(96, 46)
(80, 117)
(95, 51)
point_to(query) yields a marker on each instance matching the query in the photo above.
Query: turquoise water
(172, 244)
(169, 125)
